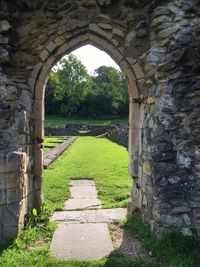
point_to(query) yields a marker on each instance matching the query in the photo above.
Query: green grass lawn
(59, 121)
(91, 158)
(52, 141)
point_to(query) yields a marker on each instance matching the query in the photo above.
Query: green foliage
(34, 212)
(108, 96)
(172, 250)
(52, 105)
(111, 84)
(72, 91)
(69, 85)
(109, 170)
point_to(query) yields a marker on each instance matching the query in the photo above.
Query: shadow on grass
(115, 259)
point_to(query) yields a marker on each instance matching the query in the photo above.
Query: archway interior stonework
(156, 46)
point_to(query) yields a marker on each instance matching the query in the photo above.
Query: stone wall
(119, 134)
(168, 186)
(156, 44)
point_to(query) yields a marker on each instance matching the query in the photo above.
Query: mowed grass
(52, 141)
(59, 121)
(91, 158)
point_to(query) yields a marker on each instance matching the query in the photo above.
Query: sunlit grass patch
(55, 121)
(91, 158)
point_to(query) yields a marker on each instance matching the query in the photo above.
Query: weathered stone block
(147, 168)
(44, 55)
(36, 70)
(3, 40)
(117, 32)
(39, 90)
(64, 49)
(105, 26)
(9, 214)
(38, 110)
(173, 221)
(104, 18)
(88, 3)
(51, 47)
(59, 41)
(151, 100)
(25, 100)
(10, 180)
(14, 195)
(9, 233)
(13, 162)
(39, 130)
(104, 3)
(4, 55)
(4, 25)
(94, 28)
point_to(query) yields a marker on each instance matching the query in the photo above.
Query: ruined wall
(119, 134)
(169, 180)
(156, 44)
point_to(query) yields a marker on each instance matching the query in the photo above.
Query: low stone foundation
(78, 130)
(119, 135)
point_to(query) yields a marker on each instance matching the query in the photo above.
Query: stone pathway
(84, 195)
(84, 235)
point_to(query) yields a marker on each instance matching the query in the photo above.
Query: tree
(73, 84)
(110, 83)
(71, 91)
(52, 106)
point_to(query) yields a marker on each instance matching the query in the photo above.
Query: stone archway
(39, 80)
(157, 47)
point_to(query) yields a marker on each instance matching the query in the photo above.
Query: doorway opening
(90, 102)
(91, 108)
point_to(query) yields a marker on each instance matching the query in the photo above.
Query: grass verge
(52, 141)
(55, 121)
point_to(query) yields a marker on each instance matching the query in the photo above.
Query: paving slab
(88, 241)
(87, 203)
(90, 216)
(86, 191)
(82, 182)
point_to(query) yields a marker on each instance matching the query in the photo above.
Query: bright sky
(92, 58)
